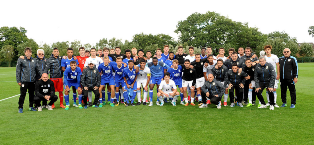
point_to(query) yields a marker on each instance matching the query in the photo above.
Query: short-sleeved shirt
(66, 62)
(273, 59)
(129, 75)
(143, 74)
(191, 58)
(96, 61)
(81, 61)
(167, 87)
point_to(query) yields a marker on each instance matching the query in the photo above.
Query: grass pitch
(158, 125)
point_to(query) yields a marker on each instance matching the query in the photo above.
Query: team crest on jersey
(94, 71)
(266, 67)
(32, 60)
(213, 83)
(201, 63)
(45, 90)
(252, 69)
(191, 71)
(48, 85)
(289, 59)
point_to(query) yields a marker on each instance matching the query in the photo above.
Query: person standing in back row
(288, 76)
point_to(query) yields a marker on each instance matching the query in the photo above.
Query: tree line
(198, 30)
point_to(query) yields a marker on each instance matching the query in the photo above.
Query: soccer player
(170, 59)
(240, 52)
(112, 51)
(142, 80)
(148, 56)
(231, 51)
(119, 81)
(264, 76)
(273, 60)
(118, 53)
(130, 76)
(234, 59)
(198, 65)
(45, 91)
(72, 78)
(289, 77)
(56, 73)
(25, 76)
(165, 55)
(140, 56)
(134, 54)
(106, 53)
(209, 51)
(87, 53)
(176, 76)
(208, 66)
(65, 63)
(203, 53)
(236, 81)
(191, 55)
(105, 70)
(158, 55)
(157, 70)
(167, 89)
(249, 86)
(180, 56)
(212, 90)
(188, 80)
(93, 58)
(99, 53)
(82, 58)
(250, 55)
(221, 54)
(220, 74)
(90, 81)
(128, 56)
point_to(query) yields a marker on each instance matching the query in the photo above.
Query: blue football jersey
(72, 76)
(126, 60)
(66, 62)
(129, 75)
(118, 72)
(106, 71)
(175, 74)
(168, 62)
(157, 70)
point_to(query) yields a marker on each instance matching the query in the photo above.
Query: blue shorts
(155, 80)
(110, 82)
(178, 83)
(75, 85)
(119, 83)
(134, 86)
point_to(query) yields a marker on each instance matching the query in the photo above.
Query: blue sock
(74, 98)
(133, 97)
(103, 95)
(181, 95)
(100, 100)
(66, 98)
(126, 97)
(117, 96)
(109, 95)
(80, 99)
(111, 100)
(151, 93)
(157, 96)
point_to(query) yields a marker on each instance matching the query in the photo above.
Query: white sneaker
(157, 103)
(182, 103)
(150, 104)
(203, 106)
(39, 108)
(74, 105)
(262, 106)
(173, 103)
(50, 107)
(219, 105)
(267, 104)
(240, 104)
(276, 105)
(271, 107)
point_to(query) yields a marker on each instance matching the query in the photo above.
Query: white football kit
(167, 88)
(273, 60)
(142, 77)
(96, 61)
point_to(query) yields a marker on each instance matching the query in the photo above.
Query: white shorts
(253, 84)
(186, 83)
(141, 83)
(276, 84)
(200, 82)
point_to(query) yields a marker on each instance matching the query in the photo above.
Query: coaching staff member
(288, 77)
(25, 76)
(45, 91)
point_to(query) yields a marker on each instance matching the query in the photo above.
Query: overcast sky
(89, 21)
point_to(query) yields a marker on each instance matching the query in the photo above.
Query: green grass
(158, 125)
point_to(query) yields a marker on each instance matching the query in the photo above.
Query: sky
(89, 21)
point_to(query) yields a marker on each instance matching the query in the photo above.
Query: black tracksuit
(288, 71)
(235, 79)
(180, 58)
(250, 72)
(220, 74)
(54, 65)
(189, 75)
(228, 63)
(198, 66)
(213, 88)
(90, 78)
(264, 77)
(45, 88)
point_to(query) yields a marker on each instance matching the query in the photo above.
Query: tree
(12, 36)
(311, 31)
(144, 40)
(29, 43)
(75, 46)
(6, 54)
(47, 49)
(62, 47)
(102, 43)
(212, 29)
(306, 49)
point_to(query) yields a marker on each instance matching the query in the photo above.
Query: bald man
(45, 90)
(288, 76)
(212, 90)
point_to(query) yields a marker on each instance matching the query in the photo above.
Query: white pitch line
(9, 97)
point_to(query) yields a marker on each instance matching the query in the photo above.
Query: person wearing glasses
(288, 76)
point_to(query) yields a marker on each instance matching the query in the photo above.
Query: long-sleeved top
(26, 70)
(214, 88)
(264, 74)
(180, 58)
(44, 88)
(235, 78)
(189, 75)
(249, 71)
(228, 63)
(220, 74)
(41, 63)
(90, 77)
(199, 67)
(54, 65)
(289, 68)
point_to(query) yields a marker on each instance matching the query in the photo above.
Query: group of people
(202, 79)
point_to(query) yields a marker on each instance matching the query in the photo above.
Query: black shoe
(144, 103)
(138, 103)
(126, 104)
(90, 104)
(132, 104)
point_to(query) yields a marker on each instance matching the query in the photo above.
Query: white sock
(267, 96)
(175, 98)
(145, 96)
(192, 100)
(121, 93)
(226, 98)
(161, 99)
(250, 95)
(275, 97)
(199, 98)
(189, 91)
(90, 96)
(138, 95)
(186, 100)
